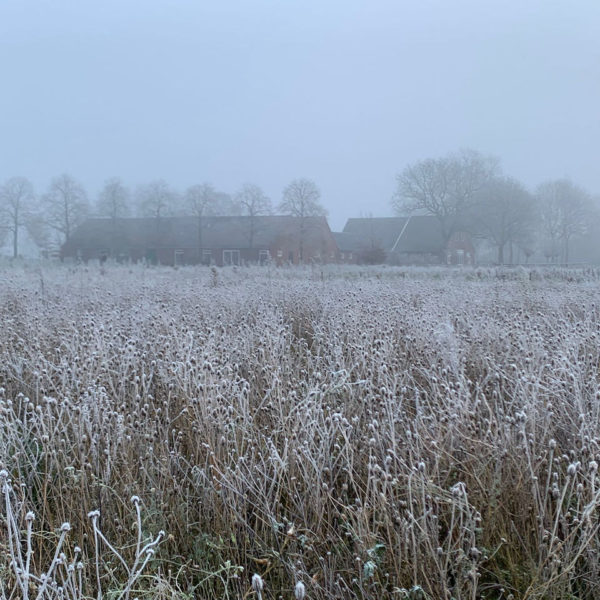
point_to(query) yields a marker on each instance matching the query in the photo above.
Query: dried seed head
(299, 591)
(458, 489)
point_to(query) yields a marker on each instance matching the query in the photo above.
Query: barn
(220, 241)
(413, 240)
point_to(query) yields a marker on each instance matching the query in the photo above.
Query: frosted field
(345, 433)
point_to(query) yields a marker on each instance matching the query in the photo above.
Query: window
(279, 253)
(460, 257)
(231, 257)
(349, 255)
(178, 257)
(206, 257)
(263, 257)
(342, 256)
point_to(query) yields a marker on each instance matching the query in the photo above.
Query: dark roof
(422, 234)
(183, 232)
(376, 232)
(416, 234)
(348, 242)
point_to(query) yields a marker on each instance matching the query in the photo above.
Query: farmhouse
(415, 240)
(218, 241)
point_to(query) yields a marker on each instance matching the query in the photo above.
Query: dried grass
(364, 433)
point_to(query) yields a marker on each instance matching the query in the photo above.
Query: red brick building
(218, 241)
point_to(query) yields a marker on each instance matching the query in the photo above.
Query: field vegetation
(421, 434)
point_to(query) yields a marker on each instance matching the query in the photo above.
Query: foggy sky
(341, 91)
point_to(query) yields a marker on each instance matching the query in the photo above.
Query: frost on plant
(64, 577)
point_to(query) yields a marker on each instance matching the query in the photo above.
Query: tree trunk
(301, 245)
(199, 239)
(67, 227)
(500, 254)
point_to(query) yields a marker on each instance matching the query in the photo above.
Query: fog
(345, 93)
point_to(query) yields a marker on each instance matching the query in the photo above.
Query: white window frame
(231, 255)
(178, 257)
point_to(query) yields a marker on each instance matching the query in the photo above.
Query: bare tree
(16, 197)
(550, 225)
(66, 205)
(226, 205)
(444, 187)
(200, 200)
(37, 228)
(565, 210)
(113, 200)
(505, 214)
(254, 203)
(156, 199)
(302, 199)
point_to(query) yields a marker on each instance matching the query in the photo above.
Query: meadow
(341, 433)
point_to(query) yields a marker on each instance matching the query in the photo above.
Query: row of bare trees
(467, 191)
(52, 217)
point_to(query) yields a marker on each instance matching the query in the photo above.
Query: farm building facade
(217, 241)
(414, 240)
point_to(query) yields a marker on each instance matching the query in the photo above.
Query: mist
(299, 299)
(344, 93)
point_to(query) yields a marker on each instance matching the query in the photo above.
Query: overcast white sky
(344, 92)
